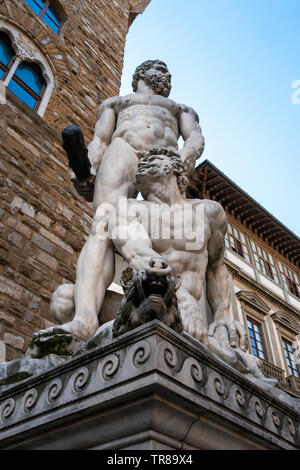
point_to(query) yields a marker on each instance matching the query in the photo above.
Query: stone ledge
(148, 388)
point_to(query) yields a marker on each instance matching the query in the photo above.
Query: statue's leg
(96, 265)
(190, 314)
(94, 273)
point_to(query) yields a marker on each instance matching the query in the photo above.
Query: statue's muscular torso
(147, 121)
(191, 263)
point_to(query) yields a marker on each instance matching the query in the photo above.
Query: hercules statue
(135, 148)
(127, 128)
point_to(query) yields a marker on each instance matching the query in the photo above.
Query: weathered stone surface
(15, 341)
(43, 353)
(20, 369)
(103, 337)
(58, 343)
(2, 352)
(150, 388)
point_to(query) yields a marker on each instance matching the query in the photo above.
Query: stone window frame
(26, 51)
(262, 262)
(20, 82)
(287, 342)
(288, 328)
(254, 308)
(6, 68)
(259, 325)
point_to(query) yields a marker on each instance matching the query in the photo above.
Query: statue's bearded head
(157, 167)
(155, 74)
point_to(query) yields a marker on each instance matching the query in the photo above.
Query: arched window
(45, 10)
(26, 81)
(28, 84)
(7, 54)
(24, 70)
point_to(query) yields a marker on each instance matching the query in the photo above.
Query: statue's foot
(228, 354)
(195, 328)
(74, 328)
(230, 333)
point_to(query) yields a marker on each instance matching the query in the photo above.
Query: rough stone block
(10, 288)
(20, 205)
(16, 342)
(53, 238)
(2, 352)
(48, 260)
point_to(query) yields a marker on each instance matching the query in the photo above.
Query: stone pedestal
(149, 389)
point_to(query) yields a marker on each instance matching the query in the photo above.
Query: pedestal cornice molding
(150, 363)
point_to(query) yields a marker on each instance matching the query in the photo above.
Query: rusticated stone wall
(43, 222)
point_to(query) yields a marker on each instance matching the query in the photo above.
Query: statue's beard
(155, 172)
(160, 85)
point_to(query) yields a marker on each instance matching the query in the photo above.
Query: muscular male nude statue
(126, 127)
(194, 260)
(164, 212)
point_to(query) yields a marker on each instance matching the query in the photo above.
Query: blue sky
(234, 62)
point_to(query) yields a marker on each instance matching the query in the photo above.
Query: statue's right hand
(85, 188)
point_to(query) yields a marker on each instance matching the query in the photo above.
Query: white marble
(126, 128)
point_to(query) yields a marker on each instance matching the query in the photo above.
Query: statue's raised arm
(194, 141)
(105, 126)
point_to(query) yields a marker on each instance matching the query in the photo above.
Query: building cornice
(209, 182)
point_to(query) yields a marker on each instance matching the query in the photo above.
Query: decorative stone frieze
(152, 361)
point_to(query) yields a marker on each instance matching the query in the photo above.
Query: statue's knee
(99, 228)
(62, 304)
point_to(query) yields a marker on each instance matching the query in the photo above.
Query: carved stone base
(148, 389)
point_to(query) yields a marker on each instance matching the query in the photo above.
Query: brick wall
(43, 222)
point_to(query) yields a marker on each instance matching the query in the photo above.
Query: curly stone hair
(141, 69)
(178, 166)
